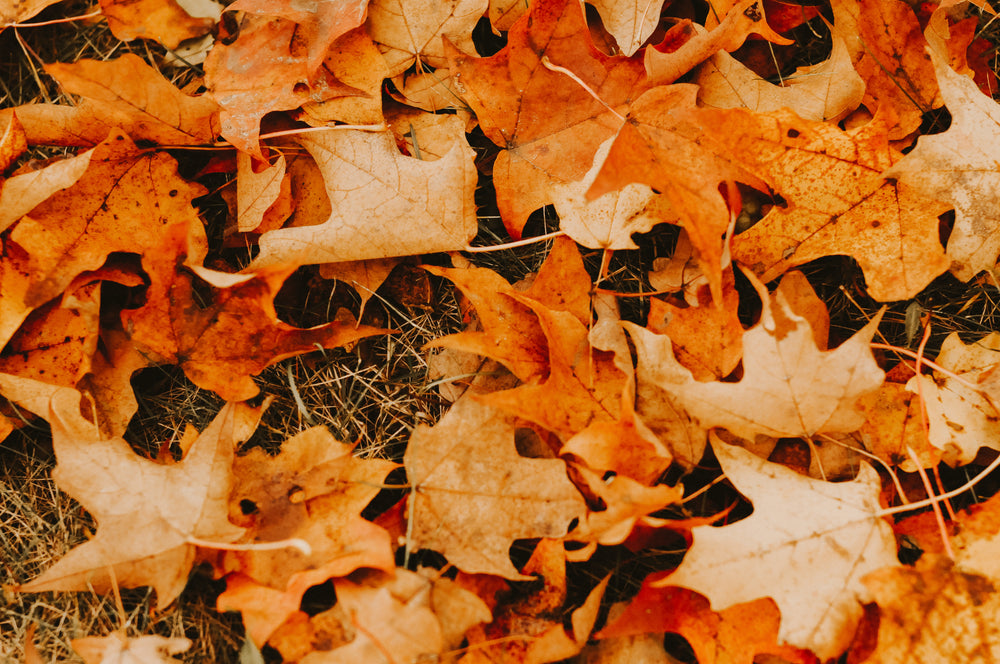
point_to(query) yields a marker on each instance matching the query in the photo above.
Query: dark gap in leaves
(421, 558)
(934, 121)
(318, 599)
(306, 299)
(386, 499)
(487, 42)
(521, 550)
(679, 648)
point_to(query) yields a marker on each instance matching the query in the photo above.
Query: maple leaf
(686, 45)
(314, 491)
(126, 93)
(473, 494)
(826, 91)
(807, 390)
(511, 332)
(150, 516)
(257, 190)
(732, 636)
(896, 70)
(383, 203)
(115, 647)
(267, 68)
(512, 91)
(838, 201)
(658, 147)
(221, 343)
(123, 202)
(609, 221)
(167, 22)
(961, 419)
(411, 31)
(959, 167)
(935, 613)
(584, 385)
(629, 21)
(807, 545)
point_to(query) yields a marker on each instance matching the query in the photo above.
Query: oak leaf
(383, 203)
(150, 516)
(959, 167)
(807, 544)
(474, 494)
(806, 390)
(512, 91)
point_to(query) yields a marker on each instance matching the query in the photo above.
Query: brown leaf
(806, 390)
(935, 613)
(474, 495)
(220, 343)
(126, 93)
(115, 647)
(838, 201)
(412, 31)
(967, 179)
(776, 551)
(149, 515)
(123, 202)
(267, 68)
(383, 203)
(512, 91)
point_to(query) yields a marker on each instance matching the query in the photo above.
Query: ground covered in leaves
(485, 331)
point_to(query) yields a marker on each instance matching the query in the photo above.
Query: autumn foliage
(354, 137)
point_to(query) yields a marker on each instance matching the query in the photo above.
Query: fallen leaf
(510, 92)
(119, 649)
(935, 613)
(960, 420)
(958, 167)
(150, 516)
(473, 494)
(383, 203)
(166, 22)
(807, 390)
(630, 21)
(412, 31)
(126, 93)
(812, 569)
(222, 342)
(827, 91)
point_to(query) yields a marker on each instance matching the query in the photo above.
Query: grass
(374, 393)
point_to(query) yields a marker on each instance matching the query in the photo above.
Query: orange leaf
(147, 512)
(512, 92)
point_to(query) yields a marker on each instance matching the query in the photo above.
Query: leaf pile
(354, 140)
